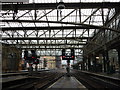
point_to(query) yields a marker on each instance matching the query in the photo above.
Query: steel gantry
(83, 26)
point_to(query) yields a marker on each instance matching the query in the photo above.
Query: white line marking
(80, 83)
(55, 82)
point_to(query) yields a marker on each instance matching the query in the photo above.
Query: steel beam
(44, 38)
(51, 48)
(45, 28)
(57, 44)
(88, 5)
(107, 23)
(80, 26)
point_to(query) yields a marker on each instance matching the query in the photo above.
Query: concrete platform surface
(67, 82)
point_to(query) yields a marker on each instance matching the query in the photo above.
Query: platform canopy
(41, 25)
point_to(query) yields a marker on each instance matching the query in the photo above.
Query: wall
(11, 58)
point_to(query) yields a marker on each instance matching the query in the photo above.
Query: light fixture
(97, 57)
(61, 5)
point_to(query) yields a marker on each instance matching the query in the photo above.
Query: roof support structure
(36, 6)
(47, 38)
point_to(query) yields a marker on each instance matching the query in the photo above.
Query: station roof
(40, 22)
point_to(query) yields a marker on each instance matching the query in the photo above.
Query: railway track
(19, 73)
(92, 81)
(36, 82)
(44, 79)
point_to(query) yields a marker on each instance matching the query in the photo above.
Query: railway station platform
(58, 80)
(113, 76)
(67, 83)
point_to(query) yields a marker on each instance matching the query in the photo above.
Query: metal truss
(105, 40)
(47, 38)
(42, 26)
(54, 5)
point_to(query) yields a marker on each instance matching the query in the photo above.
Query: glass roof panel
(70, 1)
(65, 15)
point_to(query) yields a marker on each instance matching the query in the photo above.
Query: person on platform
(68, 69)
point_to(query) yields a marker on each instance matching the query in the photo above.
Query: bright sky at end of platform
(64, 62)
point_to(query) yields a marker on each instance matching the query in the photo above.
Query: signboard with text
(68, 54)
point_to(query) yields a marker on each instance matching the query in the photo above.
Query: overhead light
(61, 5)
(97, 57)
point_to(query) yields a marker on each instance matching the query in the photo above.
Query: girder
(50, 48)
(36, 6)
(45, 38)
(79, 26)
(57, 44)
(41, 34)
(45, 28)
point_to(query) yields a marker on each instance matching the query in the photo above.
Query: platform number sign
(68, 54)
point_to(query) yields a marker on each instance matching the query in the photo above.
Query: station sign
(68, 54)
